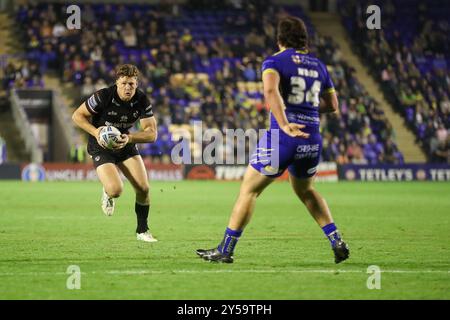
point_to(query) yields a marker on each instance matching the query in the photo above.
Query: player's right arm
(82, 118)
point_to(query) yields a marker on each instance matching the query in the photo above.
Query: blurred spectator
(87, 88)
(441, 155)
(129, 36)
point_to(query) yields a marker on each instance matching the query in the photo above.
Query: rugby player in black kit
(121, 105)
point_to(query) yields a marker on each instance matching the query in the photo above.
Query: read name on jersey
(303, 78)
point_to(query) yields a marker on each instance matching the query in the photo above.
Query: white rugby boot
(107, 204)
(146, 237)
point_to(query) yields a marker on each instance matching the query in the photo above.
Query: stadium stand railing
(26, 132)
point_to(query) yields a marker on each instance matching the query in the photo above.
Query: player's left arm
(329, 102)
(148, 134)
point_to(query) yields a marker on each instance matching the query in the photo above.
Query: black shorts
(101, 156)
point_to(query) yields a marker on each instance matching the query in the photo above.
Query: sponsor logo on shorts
(97, 158)
(307, 151)
(308, 148)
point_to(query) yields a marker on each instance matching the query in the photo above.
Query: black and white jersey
(108, 109)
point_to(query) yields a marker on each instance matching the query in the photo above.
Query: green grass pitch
(401, 227)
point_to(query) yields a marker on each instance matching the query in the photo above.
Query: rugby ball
(109, 137)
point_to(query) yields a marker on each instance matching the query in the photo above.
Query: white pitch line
(137, 272)
(183, 271)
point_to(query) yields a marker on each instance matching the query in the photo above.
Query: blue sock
(332, 233)
(229, 241)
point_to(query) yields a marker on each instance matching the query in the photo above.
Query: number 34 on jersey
(299, 93)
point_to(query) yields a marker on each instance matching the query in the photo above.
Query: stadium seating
(200, 65)
(20, 72)
(410, 57)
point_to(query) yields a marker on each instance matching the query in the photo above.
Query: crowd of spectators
(201, 64)
(20, 73)
(410, 57)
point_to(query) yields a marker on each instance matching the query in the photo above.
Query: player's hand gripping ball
(109, 137)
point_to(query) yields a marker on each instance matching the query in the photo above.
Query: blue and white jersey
(303, 78)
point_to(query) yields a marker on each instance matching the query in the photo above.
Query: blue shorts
(301, 156)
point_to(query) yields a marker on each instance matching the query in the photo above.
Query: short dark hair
(292, 33)
(126, 70)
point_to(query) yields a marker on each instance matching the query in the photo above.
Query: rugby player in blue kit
(297, 87)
